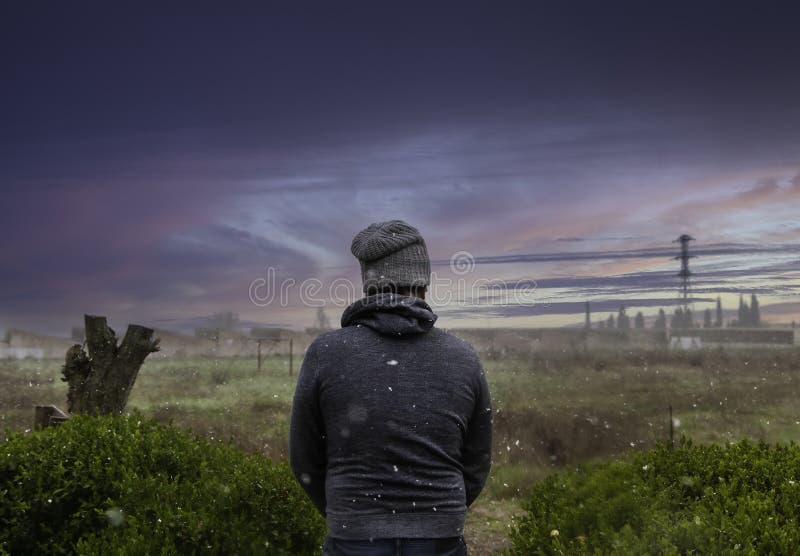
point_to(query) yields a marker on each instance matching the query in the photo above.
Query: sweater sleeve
(477, 453)
(307, 452)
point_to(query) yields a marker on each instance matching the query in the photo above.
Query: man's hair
(416, 291)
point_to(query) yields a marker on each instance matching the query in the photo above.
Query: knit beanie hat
(391, 254)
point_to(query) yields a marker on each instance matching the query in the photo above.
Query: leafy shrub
(740, 498)
(126, 485)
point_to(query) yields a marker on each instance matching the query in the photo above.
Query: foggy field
(551, 409)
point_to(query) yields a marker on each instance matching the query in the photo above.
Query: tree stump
(101, 380)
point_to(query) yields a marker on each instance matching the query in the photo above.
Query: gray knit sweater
(391, 426)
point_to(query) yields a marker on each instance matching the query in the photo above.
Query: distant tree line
(748, 316)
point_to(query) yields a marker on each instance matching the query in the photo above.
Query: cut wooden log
(48, 416)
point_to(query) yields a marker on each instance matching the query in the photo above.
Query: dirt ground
(488, 522)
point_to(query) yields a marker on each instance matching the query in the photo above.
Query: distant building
(19, 344)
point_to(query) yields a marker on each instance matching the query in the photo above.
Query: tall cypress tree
(707, 318)
(718, 322)
(661, 320)
(755, 312)
(623, 322)
(588, 324)
(742, 320)
(638, 321)
(677, 319)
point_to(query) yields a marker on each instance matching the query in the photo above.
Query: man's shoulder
(454, 343)
(325, 339)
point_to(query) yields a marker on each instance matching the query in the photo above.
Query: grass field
(551, 410)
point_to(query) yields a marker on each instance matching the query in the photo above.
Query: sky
(162, 162)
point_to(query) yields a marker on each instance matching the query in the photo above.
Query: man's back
(391, 423)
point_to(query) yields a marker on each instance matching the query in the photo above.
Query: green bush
(127, 485)
(742, 498)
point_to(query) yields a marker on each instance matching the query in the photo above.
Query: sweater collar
(390, 313)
